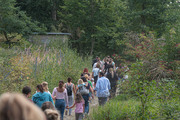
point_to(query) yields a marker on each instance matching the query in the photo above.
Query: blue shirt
(102, 87)
(39, 98)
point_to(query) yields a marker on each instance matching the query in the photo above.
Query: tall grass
(35, 65)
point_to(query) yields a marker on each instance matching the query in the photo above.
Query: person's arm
(109, 84)
(74, 89)
(97, 86)
(50, 99)
(92, 91)
(83, 108)
(54, 94)
(92, 74)
(71, 106)
(66, 98)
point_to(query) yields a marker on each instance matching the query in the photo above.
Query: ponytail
(40, 87)
(61, 84)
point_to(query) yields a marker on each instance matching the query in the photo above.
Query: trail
(92, 104)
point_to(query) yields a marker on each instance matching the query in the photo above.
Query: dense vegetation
(33, 65)
(141, 34)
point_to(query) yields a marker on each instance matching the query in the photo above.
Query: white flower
(170, 2)
(167, 5)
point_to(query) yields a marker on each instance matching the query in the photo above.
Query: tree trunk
(142, 16)
(92, 45)
(92, 29)
(54, 13)
(7, 40)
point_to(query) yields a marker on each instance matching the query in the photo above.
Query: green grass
(20, 67)
(124, 107)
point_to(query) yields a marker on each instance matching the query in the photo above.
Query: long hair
(45, 86)
(78, 98)
(112, 72)
(40, 87)
(14, 106)
(52, 114)
(80, 81)
(61, 84)
(69, 80)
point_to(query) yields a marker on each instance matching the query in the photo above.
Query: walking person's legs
(102, 100)
(86, 99)
(60, 105)
(79, 116)
(70, 103)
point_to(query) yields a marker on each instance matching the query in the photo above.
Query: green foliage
(12, 20)
(149, 15)
(33, 66)
(95, 25)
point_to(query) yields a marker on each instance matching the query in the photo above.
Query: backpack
(83, 90)
(69, 89)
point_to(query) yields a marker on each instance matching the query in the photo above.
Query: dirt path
(92, 104)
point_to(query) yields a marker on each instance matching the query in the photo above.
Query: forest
(141, 34)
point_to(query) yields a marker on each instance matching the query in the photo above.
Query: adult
(109, 65)
(113, 78)
(102, 88)
(94, 61)
(27, 92)
(14, 106)
(45, 87)
(85, 71)
(85, 95)
(95, 73)
(40, 97)
(71, 91)
(61, 97)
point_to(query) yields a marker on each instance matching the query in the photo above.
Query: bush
(35, 65)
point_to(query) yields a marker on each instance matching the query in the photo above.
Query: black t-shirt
(112, 80)
(82, 74)
(109, 66)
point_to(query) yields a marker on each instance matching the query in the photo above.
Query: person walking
(113, 78)
(84, 88)
(71, 91)
(61, 97)
(95, 73)
(40, 97)
(102, 88)
(79, 102)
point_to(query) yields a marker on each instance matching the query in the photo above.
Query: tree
(12, 20)
(43, 11)
(148, 15)
(95, 25)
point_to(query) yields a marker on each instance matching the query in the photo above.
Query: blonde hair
(14, 106)
(112, 72)
(86, 76)
(80, 81)
(45, 86)
(52, 114)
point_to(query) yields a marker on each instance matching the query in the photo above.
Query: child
(79, 102)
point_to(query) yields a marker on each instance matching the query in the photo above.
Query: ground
(93, 104)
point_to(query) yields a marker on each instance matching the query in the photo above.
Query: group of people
(108, 68)
(101, 83)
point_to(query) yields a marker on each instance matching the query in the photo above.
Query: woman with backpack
(71, 92)
(84, 88)
(61, 97)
